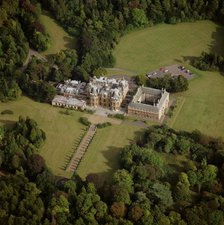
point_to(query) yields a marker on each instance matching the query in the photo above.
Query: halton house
(110, 94)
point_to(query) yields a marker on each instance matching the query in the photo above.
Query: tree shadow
(189, 59)
(70, 42)
(67, 158)
(216, 45)
(178, 60)
(7, 123)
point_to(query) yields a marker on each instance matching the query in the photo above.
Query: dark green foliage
(7, 111)
(40, 41)
(35, 164)
(138, 192)
(171, 84)
(9, 89)
(169, 141)
(20, 201)
(20, 143)
(117, 116)
(161, 194)
(209, 61)
(19, 27)
(102, 125)
(141, 79)
(84, 121)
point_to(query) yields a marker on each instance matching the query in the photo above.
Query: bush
(117, 116)
(84, 121)
(7, 111)
(102, 125)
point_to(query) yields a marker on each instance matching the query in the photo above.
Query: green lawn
(60, 39)
(203, 106)
(163, 44)
(103, 152)
(62, 131)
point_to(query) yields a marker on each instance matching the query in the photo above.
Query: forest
(146, 189)
(97, 26)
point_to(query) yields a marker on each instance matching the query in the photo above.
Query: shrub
(102, 125)
(7, 111)
(84, 121)
(117, 116)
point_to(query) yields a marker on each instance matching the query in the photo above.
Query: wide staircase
(79, 153)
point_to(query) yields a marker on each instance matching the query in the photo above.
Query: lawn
(103, 153)
(60, 39)
(203, 105)
(151, 48)
(62, 131)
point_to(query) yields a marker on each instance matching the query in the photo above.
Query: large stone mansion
(110, 93)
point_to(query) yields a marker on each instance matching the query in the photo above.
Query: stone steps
(83, 146)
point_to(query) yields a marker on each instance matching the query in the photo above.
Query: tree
(182, 190)
(161, 194)
(123, 179)
(35, 164)
(139, 17)
(40, 41)
(118, 209)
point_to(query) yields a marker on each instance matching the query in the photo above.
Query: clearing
(162, 45)
(60, 39)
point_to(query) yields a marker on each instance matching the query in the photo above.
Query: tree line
(146, 189)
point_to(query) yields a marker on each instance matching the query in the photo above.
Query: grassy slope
(62, 130)
(163, 44)
(203, 106)
(60, 39)
(102, 155)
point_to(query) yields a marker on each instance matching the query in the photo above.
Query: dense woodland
(97, 26)
(147, 189)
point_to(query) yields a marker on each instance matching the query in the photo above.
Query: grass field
(102, 155)
(163, 44)
(203, 106)
(63, 134)
(63, 131)
(60, 39)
